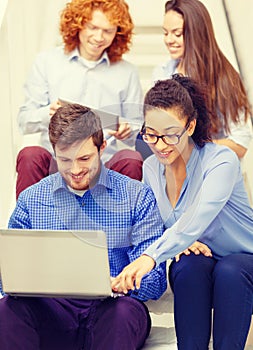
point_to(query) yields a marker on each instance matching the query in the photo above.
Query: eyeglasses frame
(163, 136)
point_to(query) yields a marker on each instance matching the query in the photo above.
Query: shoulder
(53, 54)
(215, 154)
(164, 70)
(122, 181)
(125, 67)
(125, 186)
(40, 190)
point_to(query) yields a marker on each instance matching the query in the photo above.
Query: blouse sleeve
(210, 197)
(241, 133)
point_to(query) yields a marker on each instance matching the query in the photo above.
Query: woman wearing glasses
(200, 192)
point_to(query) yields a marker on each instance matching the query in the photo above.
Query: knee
(130, 310)
(229, 271)
(129, 324)
(125, 308)
(129, 154)
(192, 268)
(30, 151)
(127, 162)
(133, 317)
(28, 154)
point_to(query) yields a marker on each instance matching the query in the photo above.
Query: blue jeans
(201, 284)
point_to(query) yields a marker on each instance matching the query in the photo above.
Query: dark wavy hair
(188, 98)
(78, 12)
(72, 123)
(204, 61)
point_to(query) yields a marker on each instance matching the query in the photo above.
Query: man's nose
(75, 168)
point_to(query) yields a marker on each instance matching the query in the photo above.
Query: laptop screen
(55, 263)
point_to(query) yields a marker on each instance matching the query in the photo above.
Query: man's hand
(123, 132)
(197, 248)
(131, 275)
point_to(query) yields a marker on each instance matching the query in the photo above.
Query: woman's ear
(191, 127)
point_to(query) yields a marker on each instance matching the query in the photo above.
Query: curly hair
(78, 12)
(188, 98)
(204, 61)
(72, 123)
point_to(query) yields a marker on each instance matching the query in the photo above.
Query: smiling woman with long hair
(194, 52)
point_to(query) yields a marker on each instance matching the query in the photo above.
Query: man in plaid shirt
(86, 195)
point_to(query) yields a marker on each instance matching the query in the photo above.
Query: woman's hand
(197, 248)
(131, 275)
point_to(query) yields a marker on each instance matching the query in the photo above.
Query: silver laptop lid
(55, 263)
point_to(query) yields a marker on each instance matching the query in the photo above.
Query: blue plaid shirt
(124, 208)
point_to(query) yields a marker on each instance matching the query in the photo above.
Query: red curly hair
(78, 12)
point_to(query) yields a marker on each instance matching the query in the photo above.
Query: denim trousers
(26, 323)
(211, 294)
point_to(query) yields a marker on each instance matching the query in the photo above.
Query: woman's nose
(169, 38)
(160, 144)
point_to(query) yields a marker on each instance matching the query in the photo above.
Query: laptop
(69, 264)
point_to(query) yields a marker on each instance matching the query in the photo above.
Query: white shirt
(112, 87)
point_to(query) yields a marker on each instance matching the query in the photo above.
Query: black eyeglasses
(171, 140)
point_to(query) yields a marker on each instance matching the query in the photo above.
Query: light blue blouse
(213, 206)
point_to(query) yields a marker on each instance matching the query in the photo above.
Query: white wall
(27, 27)
(240, 17)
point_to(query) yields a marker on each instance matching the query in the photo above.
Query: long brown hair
(204, 62)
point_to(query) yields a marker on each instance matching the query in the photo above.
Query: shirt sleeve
(164, 71)
(33, 115)
(132, 106)
(20, 216)
(157, 74)
(206, 205)
(241, 133)
(148, 227)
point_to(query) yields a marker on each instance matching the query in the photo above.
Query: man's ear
(102, 147)
(191, 127)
